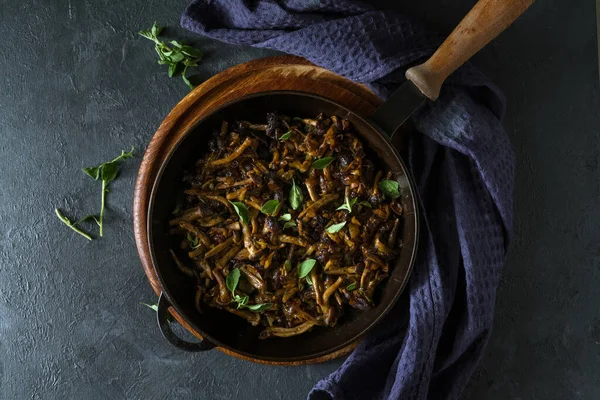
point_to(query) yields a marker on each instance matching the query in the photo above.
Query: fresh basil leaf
(336, 227)
(186, 80)
(93, 172)
(309, 280)
(109, 171)
(147, 34)
(259, 307)
(241, 210)
(232, 280)
(156, 30)
(351, 286)
(176, 57)
(322, 162)
(176, 44)
(270, 207)
(190, 51)
(152, 306)
(365, 204)
(285, 136)
(347, 204)
(172, 69)
(305, 267)
(288, 265)
(286, 217)
(390, 189)
(296, 196)
(289, 224)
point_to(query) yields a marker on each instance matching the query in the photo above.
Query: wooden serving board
(273, 73)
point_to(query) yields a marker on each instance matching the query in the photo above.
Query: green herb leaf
(305, 267)
(270, 207)
(322, 162)
(309, 280)
(232, 280)
(390, 189)
(156, 30)
(152, 306)
(194, 241)
(93, 172)
(289, 224)
(241, 300)
(241, 210)
(351, 286)
(336, 227)
(296, 196)
(71, 225)
(365, 204)
(259, 307)
(147, 34)
(288, 265)
(285, 136)
(347, 204)
(191, 51)
(286, 217)
(109, 171)
(186, 80)
(172, 69)
(102, 172)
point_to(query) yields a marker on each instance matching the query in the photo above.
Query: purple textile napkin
(429, 344)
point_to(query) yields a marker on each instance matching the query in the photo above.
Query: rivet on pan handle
(162, 316)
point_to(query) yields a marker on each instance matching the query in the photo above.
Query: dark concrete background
(77, 85)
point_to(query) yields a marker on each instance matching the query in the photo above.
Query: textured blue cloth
(463, 165)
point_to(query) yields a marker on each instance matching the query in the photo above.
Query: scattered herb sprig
(105, 172)
(178, 56)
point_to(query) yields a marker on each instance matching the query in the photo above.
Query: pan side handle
(162, 316)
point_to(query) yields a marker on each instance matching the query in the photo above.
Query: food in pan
(287, 223)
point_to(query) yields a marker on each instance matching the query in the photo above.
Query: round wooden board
(273, 73)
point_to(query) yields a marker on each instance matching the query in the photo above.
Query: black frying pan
(483, 23)
(223, 329)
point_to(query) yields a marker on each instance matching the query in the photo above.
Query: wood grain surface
(273, 73)
(486, 20)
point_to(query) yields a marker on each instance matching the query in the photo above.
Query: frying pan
(484, 22)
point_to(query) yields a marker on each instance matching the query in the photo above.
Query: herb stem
(68, 223)
(101, 218)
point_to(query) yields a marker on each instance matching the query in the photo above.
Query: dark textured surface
(78, 85)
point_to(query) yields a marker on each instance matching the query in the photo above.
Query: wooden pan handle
(486, 20)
